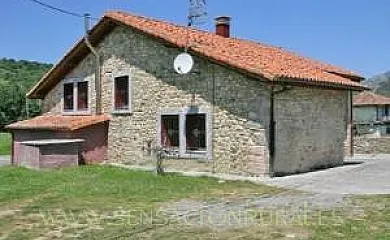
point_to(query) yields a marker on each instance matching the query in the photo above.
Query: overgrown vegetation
(96, 202)
(16, 77)
(5, 144)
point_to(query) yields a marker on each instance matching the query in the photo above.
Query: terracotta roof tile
(261, 60)
(270, 62)
(59, 122)
(367, 98)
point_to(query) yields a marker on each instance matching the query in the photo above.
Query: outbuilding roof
(58, 122)
(368, 98)
(273, 64)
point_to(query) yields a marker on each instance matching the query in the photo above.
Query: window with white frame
(122, 94)
(75, 96)
(185, 133)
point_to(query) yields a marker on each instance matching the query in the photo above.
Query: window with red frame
(121, 95)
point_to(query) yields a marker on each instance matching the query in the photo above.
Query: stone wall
(310, 129)
(311, 123)
(240, 115)
(349, 134)
(367, 145)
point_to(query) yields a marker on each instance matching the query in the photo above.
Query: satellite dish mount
(183, 63)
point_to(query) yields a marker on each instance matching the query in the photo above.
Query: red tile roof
(264, 60)
(260, 60)
(367, 98)
(58, 122)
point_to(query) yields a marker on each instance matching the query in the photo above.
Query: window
(382, 113)
(75, 97)
(68, 97)
(82, 96)
(121, 93)
(170, 131)
(186, 133)
(196, 132)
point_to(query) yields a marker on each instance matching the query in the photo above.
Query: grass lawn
(5, 143)
(28, 199)
(99, 202)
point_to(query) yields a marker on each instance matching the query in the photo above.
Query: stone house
(245, 108)
(371, 114)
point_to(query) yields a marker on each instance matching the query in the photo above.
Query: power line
(60, 10)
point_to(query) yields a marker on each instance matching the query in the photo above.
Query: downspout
(271, 132)
(98, 90)
(272, 127)
(214, 170)
(352, 131)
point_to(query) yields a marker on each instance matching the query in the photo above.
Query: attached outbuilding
(59, 141)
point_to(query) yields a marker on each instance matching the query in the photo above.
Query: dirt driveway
(363, 174)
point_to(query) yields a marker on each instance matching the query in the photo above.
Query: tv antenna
(184, 62)
(196, 11)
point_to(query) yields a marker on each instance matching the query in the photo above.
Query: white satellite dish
(183, 63)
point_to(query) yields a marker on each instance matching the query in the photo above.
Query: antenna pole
(87, 22)
(197, 10)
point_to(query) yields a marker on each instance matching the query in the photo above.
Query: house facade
(245, 108)
(371, 114)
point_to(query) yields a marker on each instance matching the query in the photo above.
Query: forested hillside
(380, 83)
(16, 77)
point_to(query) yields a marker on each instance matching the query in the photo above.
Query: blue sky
(354, 34)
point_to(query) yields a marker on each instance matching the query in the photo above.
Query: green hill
(16, 78)
(24, 73)
(380, 83)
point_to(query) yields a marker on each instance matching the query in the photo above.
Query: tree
(16, 77)
(11, 104)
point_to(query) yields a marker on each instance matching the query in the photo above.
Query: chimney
(222, 26)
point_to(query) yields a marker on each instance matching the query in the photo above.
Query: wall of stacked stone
(349, 134)
(311, 123)
(240, 114)
(311, 128)
(372, 145)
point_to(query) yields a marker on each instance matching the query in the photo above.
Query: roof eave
(370, 104)
(318, 83)
(353, 77)
(70, 59)
(16, 128)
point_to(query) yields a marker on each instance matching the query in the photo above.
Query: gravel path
(317, 191)
(363, 174)
(284, 207)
